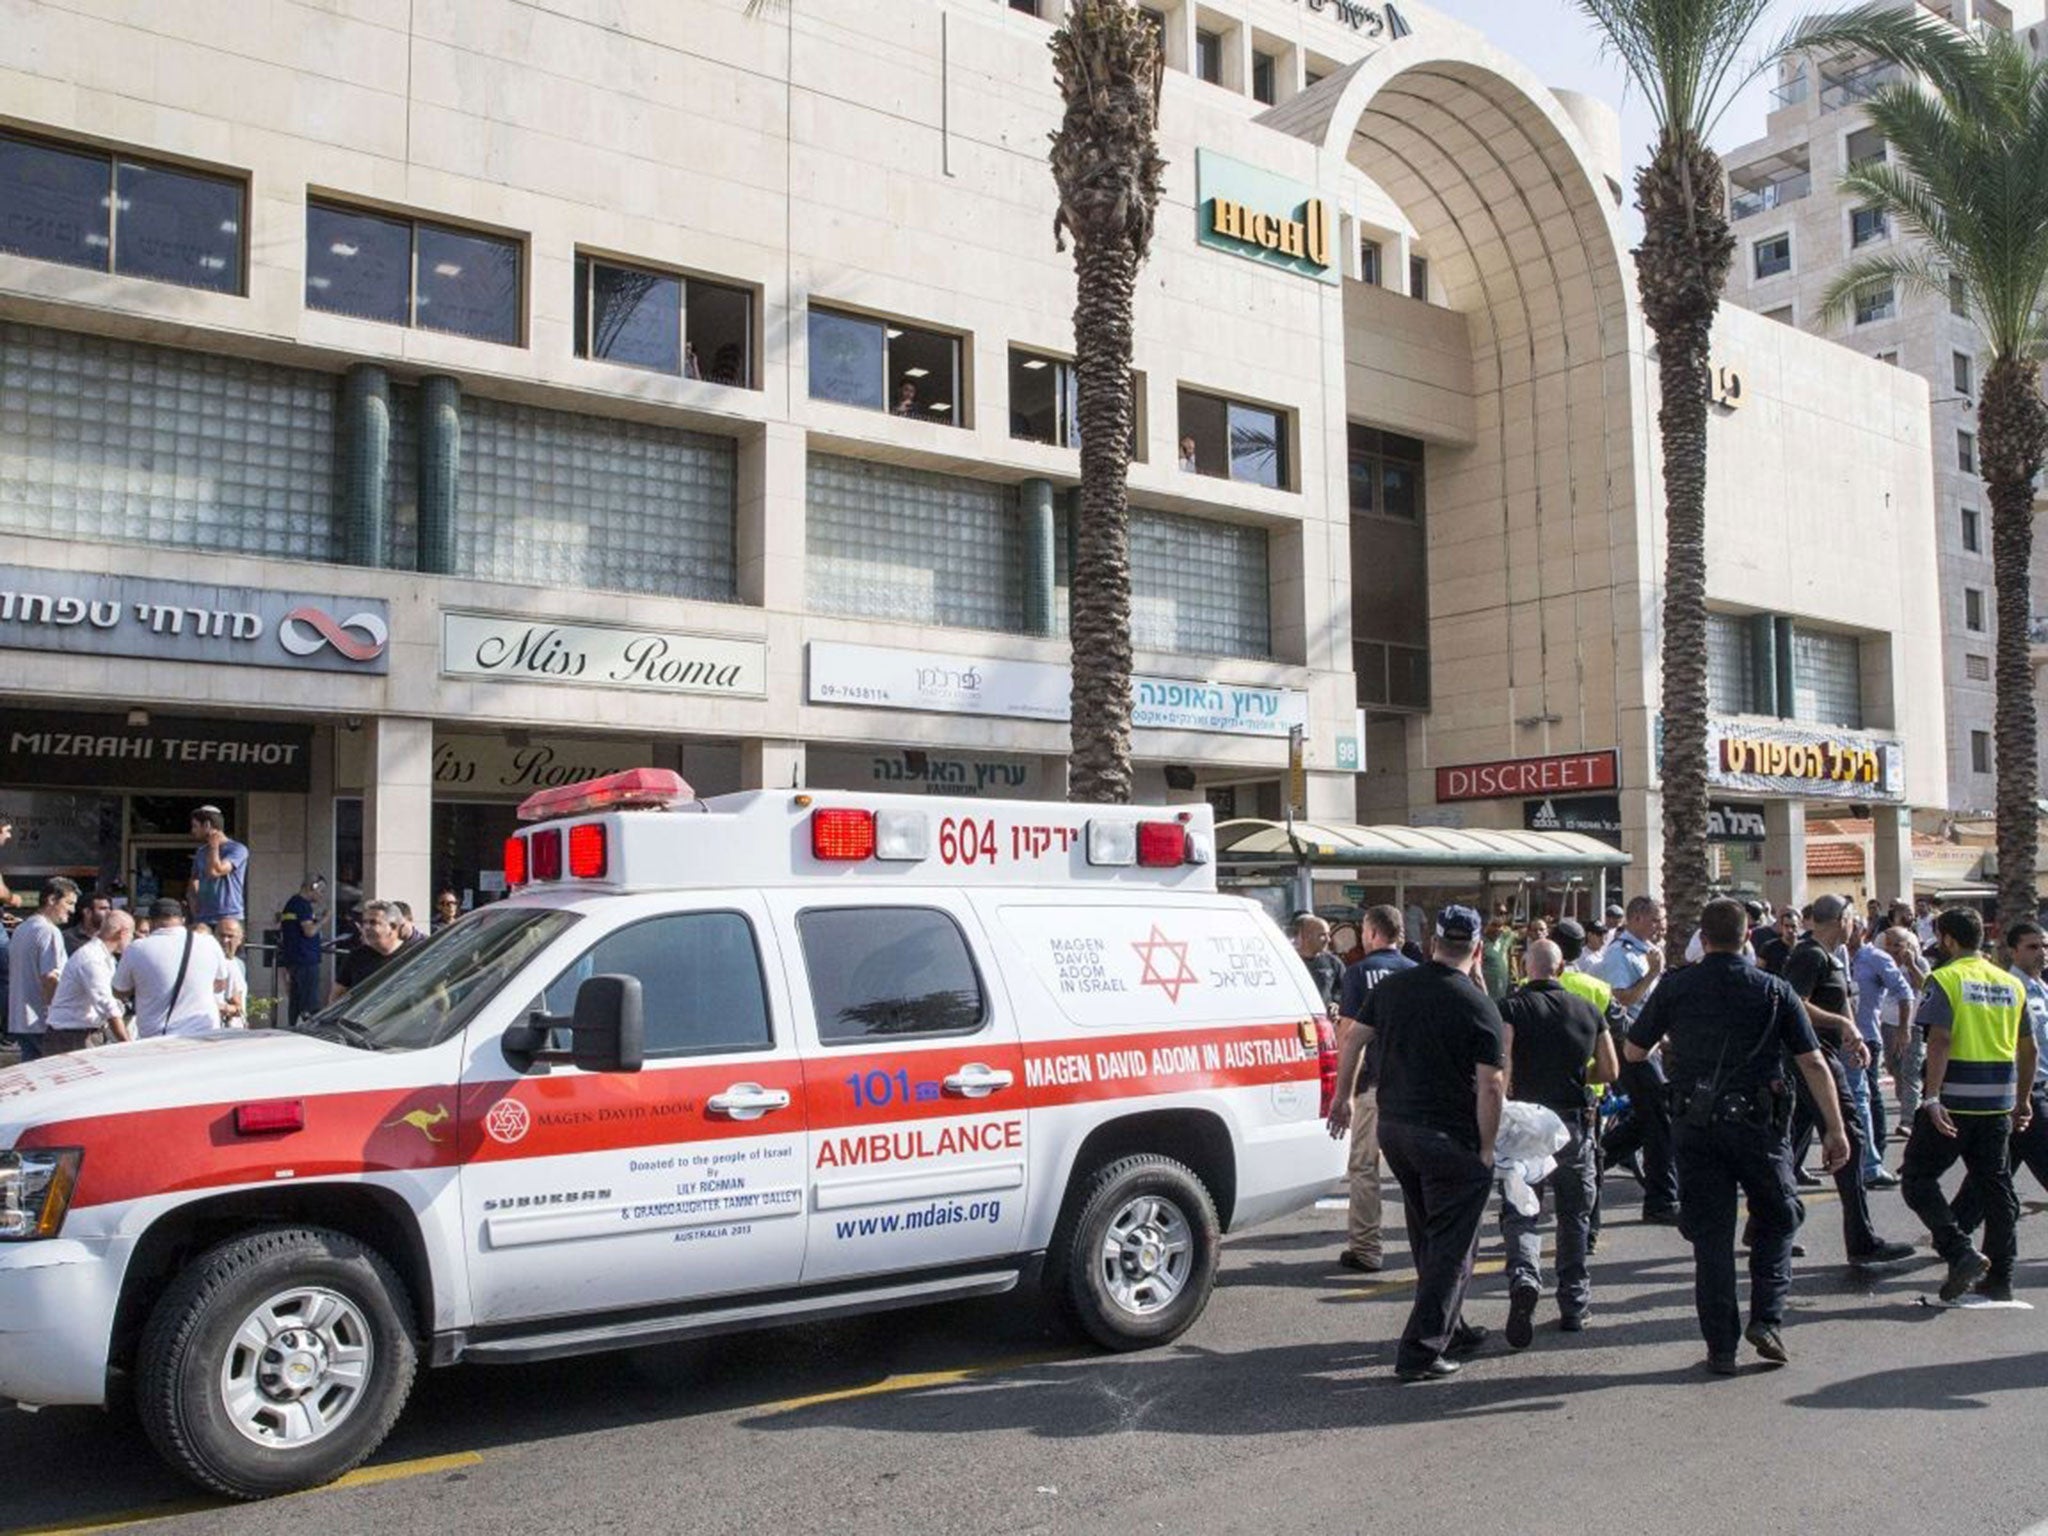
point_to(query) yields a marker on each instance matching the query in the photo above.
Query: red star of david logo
(1154, 975)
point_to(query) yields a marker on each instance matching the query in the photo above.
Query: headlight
(35, 1191)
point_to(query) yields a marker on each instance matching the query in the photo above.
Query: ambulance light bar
(1146, 844)
(637, 789)
(845, 834)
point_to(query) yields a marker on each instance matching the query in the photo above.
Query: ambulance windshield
(428, 992)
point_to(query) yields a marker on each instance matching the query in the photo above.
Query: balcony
(1748, 202)
(1853, 87)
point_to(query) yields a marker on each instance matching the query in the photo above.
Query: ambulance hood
(226, 1066)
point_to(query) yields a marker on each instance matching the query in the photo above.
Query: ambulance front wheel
(1134, 1259)
(276, 1362)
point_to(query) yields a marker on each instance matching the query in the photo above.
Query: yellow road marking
(362, 1477)
(1406, 1278)
(911, 1382)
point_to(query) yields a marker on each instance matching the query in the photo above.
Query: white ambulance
(712, 1065)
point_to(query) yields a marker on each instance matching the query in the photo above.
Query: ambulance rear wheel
(1134, 1259)
(276, 1362)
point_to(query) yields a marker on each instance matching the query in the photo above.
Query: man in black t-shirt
(379, 944)
(1435, 1049)
(1551, 1038)
(1727, 1029)
(1356, 1107)
(1312, 943)
(1818, 979)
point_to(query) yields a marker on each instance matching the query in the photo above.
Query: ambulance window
(700, 982)
(888, 971)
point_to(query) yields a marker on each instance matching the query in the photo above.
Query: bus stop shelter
(1292, 856)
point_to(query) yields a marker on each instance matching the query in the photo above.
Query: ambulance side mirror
(608, 1030)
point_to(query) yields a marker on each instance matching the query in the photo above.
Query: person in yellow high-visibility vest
(1979, 1052)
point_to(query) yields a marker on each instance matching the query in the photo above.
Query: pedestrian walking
(220, 868)
(175, 977)
(1555, 1044)
(35, 964)
(1355, 1109)
(2029, 952)
(1436, 1051)
(1631, 965)
(1979, 1052)
(85, 1011)
(1727, 1030)
(1880, 984)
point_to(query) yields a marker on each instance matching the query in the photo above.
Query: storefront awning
(1339, 845)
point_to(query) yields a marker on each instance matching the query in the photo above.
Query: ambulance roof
(667, 839)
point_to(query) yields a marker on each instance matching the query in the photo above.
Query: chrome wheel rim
(297, 1368)
(1147, 1255)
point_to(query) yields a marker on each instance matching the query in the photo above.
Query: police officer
(1726, 1029)
(1979, 1050)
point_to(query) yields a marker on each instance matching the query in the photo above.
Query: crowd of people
(85, 970)
(1712, 1081)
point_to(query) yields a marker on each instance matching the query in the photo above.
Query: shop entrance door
(158, 866)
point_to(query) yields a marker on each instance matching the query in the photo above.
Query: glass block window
(581, 501)
(402, 480)
(1827, 678)
(1199, 587)
(1731, 661)
(115, 440)
(891, 543)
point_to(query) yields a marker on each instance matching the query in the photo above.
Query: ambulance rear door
(913, 1075)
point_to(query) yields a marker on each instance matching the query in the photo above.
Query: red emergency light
(841, 834)
(1161, 844)
(637, 789)
(270, 1117)
(546, 850)
(587, 851)
(515, 860)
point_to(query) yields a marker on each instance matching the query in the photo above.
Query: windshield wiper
(342, 1031)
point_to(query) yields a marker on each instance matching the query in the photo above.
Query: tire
(337, 1317)
(1115, 1299)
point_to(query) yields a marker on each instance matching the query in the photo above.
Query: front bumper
(57, 1305)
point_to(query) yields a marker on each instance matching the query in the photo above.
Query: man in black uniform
(1550, 1037)
(1436, 1054)
(1727, 1029)
(1813, 972)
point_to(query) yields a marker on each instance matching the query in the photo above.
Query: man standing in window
(219, 867)
(1436, 1045)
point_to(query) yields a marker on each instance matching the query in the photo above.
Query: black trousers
(1983, 1142)
(1858, 1235)
(1717, 1166)
(2028, 1149)
(1643, 1082)
(1444, 1193)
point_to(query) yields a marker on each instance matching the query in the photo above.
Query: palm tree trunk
(1680, 266)
(2012, 433)
(1106, 275)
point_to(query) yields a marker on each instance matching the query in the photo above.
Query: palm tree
(1967, 177)
(1106, 163)
(1686, 58)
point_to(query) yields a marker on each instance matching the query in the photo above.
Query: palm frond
(1685, 56)
(1903, 269)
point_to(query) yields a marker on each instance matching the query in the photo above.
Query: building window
(1977, 668)
(115, 214)
(1827, 678)
(1045, 402)
(1963, 371)
(661, 321)
(1875, 303)
(1958, 297)
(1973, 610)
(1773, 255)
(1865, 146)
(1209, 57)
(409, 272)
(1386, 474)
(1980, 751)
(1371, 262)
(1866, 225)
(1233, 440)
(884, 542)
(1264, 68)
(1782, 314)
(1418, 278)
(1966, 451)
(1731, 661)
(1199, 587)
(886, 365)
(1973, 531)
(1389, 569)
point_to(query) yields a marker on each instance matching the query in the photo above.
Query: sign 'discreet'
(1514, 777)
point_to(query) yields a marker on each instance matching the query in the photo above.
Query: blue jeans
(1862, 1082)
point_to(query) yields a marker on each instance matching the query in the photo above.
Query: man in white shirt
(234, 1006)
(35, 962)
(85, 998)
(176, 976)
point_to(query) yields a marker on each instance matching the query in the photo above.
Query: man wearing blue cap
(1436, 1055)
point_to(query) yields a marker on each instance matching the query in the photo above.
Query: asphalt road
(1277, 1413)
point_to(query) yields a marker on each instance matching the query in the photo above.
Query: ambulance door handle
(977, 1080)
(747, 1101)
